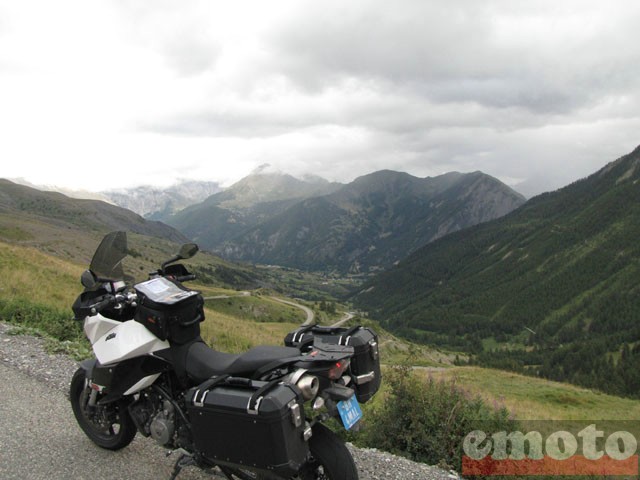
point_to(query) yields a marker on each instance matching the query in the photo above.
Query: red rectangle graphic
(576, 465)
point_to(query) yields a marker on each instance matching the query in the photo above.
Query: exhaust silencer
(308, 385)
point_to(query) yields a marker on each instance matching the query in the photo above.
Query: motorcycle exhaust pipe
(308, 384)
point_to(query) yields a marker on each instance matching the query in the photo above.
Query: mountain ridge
(56, 208)
(390, 211)
(244, 204)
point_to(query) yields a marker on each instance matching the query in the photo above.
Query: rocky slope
(160, 203)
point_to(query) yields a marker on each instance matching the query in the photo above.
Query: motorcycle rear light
(336, 371)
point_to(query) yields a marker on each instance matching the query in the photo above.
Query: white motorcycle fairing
(97, 325)
(115, 341)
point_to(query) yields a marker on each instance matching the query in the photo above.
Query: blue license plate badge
(350, 412)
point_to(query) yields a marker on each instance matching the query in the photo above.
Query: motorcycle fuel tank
(126, 340)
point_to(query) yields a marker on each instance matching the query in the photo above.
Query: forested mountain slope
(560, 275)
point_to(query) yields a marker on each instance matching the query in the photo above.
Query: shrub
(63, 334)
(427, 420)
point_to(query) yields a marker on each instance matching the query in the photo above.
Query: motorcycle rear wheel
(330, 460)
(108, 426)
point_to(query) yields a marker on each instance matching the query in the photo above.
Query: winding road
(308, 312)
(310, 315)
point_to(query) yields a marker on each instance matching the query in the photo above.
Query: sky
(117, 93)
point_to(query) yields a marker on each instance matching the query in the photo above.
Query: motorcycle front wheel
(330, 460)
(108, 426)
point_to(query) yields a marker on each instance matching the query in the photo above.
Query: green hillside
(552, 289)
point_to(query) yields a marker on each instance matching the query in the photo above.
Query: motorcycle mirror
(88, 280)
(188, 250)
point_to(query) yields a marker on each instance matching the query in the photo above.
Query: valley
(507, 307)
(236, 322)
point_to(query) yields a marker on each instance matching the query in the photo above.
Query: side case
(365, 364)
(250, 424)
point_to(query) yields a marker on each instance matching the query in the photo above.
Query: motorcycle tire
(331, 460)
(108, 426)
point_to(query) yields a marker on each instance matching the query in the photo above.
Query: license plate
(350, 412)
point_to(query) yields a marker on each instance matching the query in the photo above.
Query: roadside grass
(36, 294)
(530, 398)
(228, 333)
(30, 275)
(256, 308)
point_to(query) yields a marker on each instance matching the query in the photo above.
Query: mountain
(21, 204)
(71, 229)
(550, 289)
(69, 192)
(372, 222)
(159, 203)
(254, 199)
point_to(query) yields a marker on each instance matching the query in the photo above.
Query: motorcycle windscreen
(107, 260)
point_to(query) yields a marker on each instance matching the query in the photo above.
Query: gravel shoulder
(39, 438)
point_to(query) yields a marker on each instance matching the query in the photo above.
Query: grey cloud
(433, 86)
(179, 35)
(448, 52)
(192, 56)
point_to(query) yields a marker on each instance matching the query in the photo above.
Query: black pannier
(250, 424)
(365, 364)
(169, 310)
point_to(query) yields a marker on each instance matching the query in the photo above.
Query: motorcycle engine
(162, 426)
(155, 416)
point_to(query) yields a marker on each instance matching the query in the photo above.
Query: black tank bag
(169, 310)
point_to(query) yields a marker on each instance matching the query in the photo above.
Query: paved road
(347, 316)
(218, 297)
(39, 439)
(307, 310)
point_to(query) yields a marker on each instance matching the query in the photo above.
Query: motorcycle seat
(202, 362)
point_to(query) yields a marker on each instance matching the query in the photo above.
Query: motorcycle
(256, 415)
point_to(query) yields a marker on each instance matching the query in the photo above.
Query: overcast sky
(103, 94)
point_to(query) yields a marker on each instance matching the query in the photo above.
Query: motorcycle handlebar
(97, 307)
(109, 300)
(185, 278)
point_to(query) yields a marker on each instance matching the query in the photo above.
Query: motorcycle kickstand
(184, 460)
